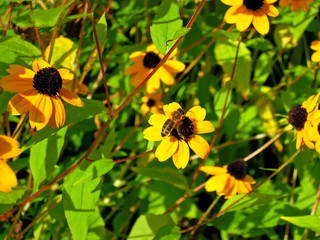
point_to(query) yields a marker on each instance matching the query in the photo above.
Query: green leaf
(261, 44)
(95, 170)
(146, 226)
(107, 146)
(102, 29)
(179, 33)
(74, 114)
(165, 25)
(46, 17)
(20, 47)
(263, 67)
(254, 199)
(219, 101)
(168, 175)
(168, 232)
(44, 156)
(225, 53)
(79, 202)
(72, 17)
(13, 197)
(312, 222)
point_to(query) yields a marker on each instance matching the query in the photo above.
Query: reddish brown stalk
(314, 209)
(79, 48)
(254, 189)
(222, 114)
(184, 197)
(38, 36)
(108, 9)
(190, 23)
(9, 18)
(130, 158)
(100, 57)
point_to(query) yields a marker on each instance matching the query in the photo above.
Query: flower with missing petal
(296, 4)
(301, 118)
(177, 135)
(152, 103)
(315, 45)
(39, 92)
(245, 12)
(144, 63)
(9, 148)
(229, 180)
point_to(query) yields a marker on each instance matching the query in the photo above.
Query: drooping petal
(305, 137)
(170, 108)
(261, 22)
(249, 179)
(14, 83)
(203, 127)
(315, 45)
(228, 187)
(132, 69)
(58, 116)
(315, 57)
(318, 146)
(299, 140)
(40, 111)
(22, 102)
(198, 113)
(167, 148)
(231, 15)
(243, 187)
(153, 84)
(244, 19)
(8, 178)
(165, 76)
(313, 103)
(9, 147)
(217, 183)
(232, 189)
(270, 10)
(199, 145)
(182, 155)
(153, 133)
(174, 66)
(213, 170)
(39, 64)
(137, 78)
(157, 120)
(66, 75)
(20, 71)
(71, 97)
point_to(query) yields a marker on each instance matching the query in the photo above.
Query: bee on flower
(245, 12)
(9, 148)
(301, 117)
(229, 180)
(144, 63)
(39, 92)
(178, 131)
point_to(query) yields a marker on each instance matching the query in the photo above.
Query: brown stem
(9, 18)
(136, 156)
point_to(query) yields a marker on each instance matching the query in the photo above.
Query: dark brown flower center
(48, 81)
(253, 4)
(151, 60)
(238, 169)
(297, 117)
(151, 103)
(184, 130)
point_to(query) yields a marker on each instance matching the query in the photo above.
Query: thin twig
(136, 156)
(9, 18)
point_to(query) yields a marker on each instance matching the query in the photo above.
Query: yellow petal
(174, 66)
(14, 83)
(198, 113)
(203, 127)
(261, 22)
(284, 3)
(182, 155)
(232, 2)
(152, 48)
(153, 84)
(315, 57)
(217, 183)
(167, 148)
(40, 111)
(270, 10)
(8, 178)
(232, 191)
(299, 140)
(315, 45)
(153, 133)
(243, 187)
(199, 145)
(145, 109)
(213, 170)
(71, 97)
(66, 75)
(137, 56)
(270, 1)
(138, 78)
(244, 19)
(39, 64)
(306, 140)
(9, 147)
(313, 103)
(157, 120)
(4, 188)
(20, 71)
(58, 116)
(165, 76)
(318, 146)
(229, 187)
(22, 102)
(231, 15)
(133, 69)
(249, 179)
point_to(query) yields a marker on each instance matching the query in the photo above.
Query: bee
(170, 124)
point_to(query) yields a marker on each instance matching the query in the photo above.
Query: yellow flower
(313, 132)
(176, 143)
(229, 180)
(296, 4)
(245, 12)
(315, 45)
(144, 63)
(301, 118)
(38, 93)
(9, 148)
(152, 103)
